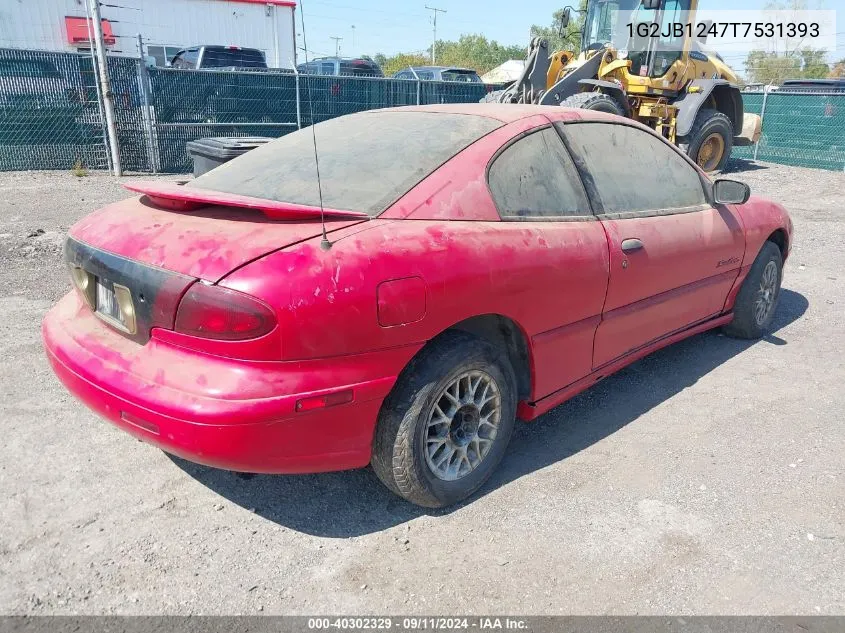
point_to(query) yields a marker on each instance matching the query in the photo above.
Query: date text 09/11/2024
(420, 623)
(724, 29)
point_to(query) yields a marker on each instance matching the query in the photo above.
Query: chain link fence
(51, 114)
(805, 129)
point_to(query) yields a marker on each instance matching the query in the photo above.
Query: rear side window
(633, 170)
(360, 68)
(465, 76)
(186, 59)
(223, 57)
(367, 160)
(535, 178)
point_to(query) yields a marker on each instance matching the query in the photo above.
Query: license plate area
(155, 292)
(114, 305)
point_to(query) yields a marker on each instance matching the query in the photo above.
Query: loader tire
(598, 101)
(710, 140)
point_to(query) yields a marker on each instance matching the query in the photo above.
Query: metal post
(144, 80)
(97, 90)
(108, 97)
(298, 106)
(762, 117)
(419, 84)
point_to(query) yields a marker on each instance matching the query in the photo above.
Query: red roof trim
(278, 3)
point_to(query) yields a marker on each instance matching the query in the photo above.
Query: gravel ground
(704, 479)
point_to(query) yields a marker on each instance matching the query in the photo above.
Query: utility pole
(434, 42)
(108, 97)
(336, 45)
(353, 39)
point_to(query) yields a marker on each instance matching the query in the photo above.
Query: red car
(477, 264)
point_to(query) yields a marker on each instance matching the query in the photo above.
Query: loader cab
(642, 31)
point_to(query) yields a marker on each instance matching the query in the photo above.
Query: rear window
(222, 57)
(367, 160)
(360, 68)
(27, 68)
(466, 76)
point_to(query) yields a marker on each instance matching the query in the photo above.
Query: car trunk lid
(204, 240)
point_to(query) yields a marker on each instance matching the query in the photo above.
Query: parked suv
(439, 73)
(341, 66)
(219, 58)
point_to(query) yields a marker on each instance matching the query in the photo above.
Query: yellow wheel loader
(636, 61)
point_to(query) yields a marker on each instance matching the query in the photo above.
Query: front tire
(757, 300)
(598, 101)
(710, 141)
(445, 426)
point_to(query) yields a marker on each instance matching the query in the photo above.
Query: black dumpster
(209, 153)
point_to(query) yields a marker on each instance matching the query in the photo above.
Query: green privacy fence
(806, 129)
(189, 105)
(51, 111)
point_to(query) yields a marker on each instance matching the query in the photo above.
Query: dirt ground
(708, 478)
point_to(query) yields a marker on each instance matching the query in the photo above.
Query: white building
(165, 25)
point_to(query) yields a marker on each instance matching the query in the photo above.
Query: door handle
(632, 244)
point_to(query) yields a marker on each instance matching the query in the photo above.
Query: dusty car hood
(206, 243)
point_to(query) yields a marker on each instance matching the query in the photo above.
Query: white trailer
(165, 26)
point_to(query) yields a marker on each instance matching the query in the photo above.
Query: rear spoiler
(175, 196)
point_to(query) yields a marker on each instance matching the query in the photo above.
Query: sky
(383, 26)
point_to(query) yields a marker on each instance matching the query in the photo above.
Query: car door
(559, 247)
(673, 255)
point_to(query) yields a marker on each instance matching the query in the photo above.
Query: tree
(813, 63)
(838, 70)
(774, 68)
(570, 39)
(476, 52)
(392, 65)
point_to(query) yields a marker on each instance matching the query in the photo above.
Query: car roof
(341, 59)
(823, 82)
(505, 112)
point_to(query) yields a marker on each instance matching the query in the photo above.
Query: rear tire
(444, 427)
(757, 300)
(710, 141)
(597, 101)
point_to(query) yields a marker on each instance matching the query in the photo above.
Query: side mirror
(651, 5)
(564, 20)
(703, 28)
(730, 191)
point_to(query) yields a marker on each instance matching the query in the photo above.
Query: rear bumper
(236, 415)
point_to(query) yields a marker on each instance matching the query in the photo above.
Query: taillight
(223, 314)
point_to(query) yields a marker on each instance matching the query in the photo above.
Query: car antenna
(325, 244)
